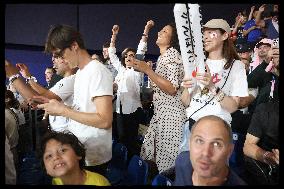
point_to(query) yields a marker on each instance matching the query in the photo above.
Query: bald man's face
(210, 148)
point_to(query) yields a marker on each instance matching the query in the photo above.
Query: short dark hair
(174, 39)
(61, 37)
(216, 118)
(106, 45)
(124, 52)
(10, 100)
(65, 137)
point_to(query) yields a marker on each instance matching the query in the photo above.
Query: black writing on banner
(189, 40)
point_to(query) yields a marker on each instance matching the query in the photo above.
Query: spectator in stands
(107, 62)
(262, 144)
(245, 52)
(51, 77)
(23, 103)
(265, 81)
(64, 159)
(91, 113)
(13, 104)
(11, 132)
(63, 90)
(271, 24)
(241, 117)
(128, 103)
(206, 162)
(237, 32)
(253, 31)
(10, 171)
(261, 52)
(225, 80)
(164, 134)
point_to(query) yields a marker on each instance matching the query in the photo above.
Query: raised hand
(262, 8)
(10, 69)
(115, 29)
(139, 65)
(148, 26)
(24, 70)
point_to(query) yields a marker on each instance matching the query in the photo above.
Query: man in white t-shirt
(91, 113)
(62, 90)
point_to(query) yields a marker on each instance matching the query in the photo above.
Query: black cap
(243, 48)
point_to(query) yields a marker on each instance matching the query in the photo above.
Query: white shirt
(128, 81)
(236, 86)
(64, 89)
(92, 81)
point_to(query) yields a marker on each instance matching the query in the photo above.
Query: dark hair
(174, 39)
(62, 37)
(65, 137)
(124, 52)
(106, 45)
(229, 51)
(215, 118)
(10, 100)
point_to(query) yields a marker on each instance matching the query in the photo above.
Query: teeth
(59, 165)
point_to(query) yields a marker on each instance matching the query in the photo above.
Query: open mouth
(59, 165)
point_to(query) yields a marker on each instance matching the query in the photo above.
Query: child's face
(60, 159)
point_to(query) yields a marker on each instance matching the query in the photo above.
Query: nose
(207, 150)
(56, 156)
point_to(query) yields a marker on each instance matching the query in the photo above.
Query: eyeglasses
(129, 55)
(59, 54)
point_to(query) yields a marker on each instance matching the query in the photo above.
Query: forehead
(211, 30)
(167, 28)
(48, 70)
(130, 52)
(264, 45)
(210, 129)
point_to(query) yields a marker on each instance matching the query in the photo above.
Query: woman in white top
(225, 79)
(128, 81)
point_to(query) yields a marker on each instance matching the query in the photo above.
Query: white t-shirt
(64, 89)
(92, 81)
(236, 85)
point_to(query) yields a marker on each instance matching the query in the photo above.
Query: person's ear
(225, 36)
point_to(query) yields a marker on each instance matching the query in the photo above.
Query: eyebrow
(214, 139)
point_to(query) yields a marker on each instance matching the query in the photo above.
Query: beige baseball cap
(218, 23)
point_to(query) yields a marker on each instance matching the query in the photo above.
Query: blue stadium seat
(117, 166)
(161, 180)
(236, 160)
(137, 172)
